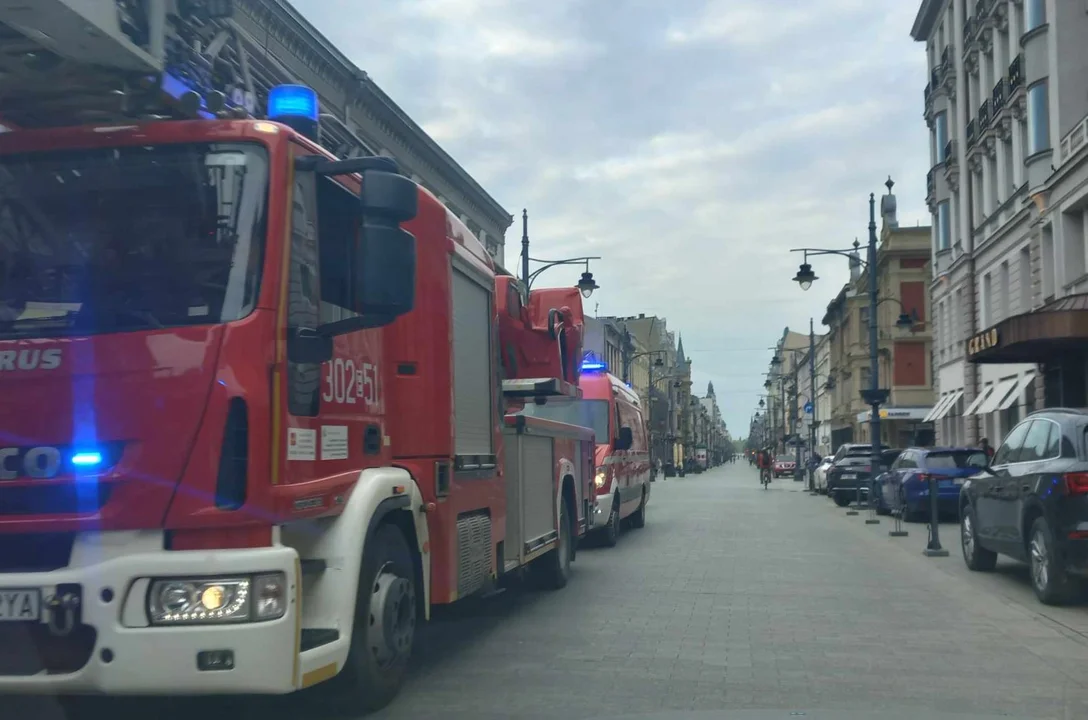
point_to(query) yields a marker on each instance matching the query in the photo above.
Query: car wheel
(975, 556)
(638, 520)
(612, 530)
(842, 499)
(1051, 583)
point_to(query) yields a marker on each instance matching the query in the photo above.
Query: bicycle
(765, 477)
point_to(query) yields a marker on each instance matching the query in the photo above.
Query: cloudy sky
(691, 143)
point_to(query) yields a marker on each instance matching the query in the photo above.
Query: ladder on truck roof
(539, 388)
(78, 62)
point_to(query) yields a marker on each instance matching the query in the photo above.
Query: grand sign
(983, 341)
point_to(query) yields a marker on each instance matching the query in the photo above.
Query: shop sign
(983, 341)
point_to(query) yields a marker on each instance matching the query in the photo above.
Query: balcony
(931, 190)
(984, 116)
(1075, 140)
(971, 132)
(949, 151)
(969, 29)
(999, 95)
(1016, 74)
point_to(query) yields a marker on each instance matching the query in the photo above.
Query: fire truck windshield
(585, 413)
(130, 238)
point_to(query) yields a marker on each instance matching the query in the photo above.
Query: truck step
(313, 566)
(316, 637)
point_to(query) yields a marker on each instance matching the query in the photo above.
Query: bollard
(934, 548)
(897, 526)
(857, 500)
(872, 519)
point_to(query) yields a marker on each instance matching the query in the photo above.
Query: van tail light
(925, 477)
(1076, 483)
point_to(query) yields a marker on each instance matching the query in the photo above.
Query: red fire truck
(258, 403)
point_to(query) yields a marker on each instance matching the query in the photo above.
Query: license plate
(849, 476)
(20, 605)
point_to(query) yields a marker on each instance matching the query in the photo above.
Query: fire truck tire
(638, 520)
(612, 529)
(384, 628)
(555, 566)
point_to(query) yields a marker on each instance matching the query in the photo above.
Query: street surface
(734, 597)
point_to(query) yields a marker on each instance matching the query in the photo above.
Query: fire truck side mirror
(307, 346)
(385, 266)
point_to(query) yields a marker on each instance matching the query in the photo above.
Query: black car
(852, 470)
(1031, 504)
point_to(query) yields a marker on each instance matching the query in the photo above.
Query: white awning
(946, 406)
(1017, 392)
(951, 406)
(1000, 391)
(938, 407)
(982, 396)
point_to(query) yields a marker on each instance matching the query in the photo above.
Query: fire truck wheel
(638, 520)
(384, 628)
(555, 566)
(612, 530)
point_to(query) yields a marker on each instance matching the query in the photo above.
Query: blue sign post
(808, 408)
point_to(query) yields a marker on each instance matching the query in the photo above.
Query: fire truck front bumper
(128, 618)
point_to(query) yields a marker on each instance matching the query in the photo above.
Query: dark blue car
(904, 488)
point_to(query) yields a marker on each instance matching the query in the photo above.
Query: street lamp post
(586, 284)
(874, 396)
(812, 399)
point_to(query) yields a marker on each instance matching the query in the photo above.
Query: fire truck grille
(473, 553)
(35, 552)
(67, 499)
(30, 648)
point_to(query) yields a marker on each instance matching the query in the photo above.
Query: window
(941, 132)
(1011, 447)
(1025, 278)
(1037, 441)
(1038, 119)
(944, 226)
(1003, 289)
(1048, 262)
(1034, 14)
(338, 220)
(987, 311)
(131, 238)
(952, 459)
(863, 324)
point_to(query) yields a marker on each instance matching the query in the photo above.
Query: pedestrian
(984, 444)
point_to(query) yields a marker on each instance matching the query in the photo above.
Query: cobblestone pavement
(735, 597)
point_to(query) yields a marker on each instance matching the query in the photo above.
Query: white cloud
(691, 144)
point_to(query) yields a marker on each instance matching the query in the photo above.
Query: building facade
(358, 117)
(992, 107)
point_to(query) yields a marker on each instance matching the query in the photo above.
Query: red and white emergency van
(615, 414)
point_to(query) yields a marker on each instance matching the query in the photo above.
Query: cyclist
(764, 462)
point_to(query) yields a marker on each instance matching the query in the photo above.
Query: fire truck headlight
(200, 601)
(600, 479)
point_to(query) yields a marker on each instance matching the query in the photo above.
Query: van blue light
(296, 101)
(87, 459)
(594, 366)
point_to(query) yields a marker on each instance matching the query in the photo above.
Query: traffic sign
(808, 408)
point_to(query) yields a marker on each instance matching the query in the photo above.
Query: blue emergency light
(87, 459)
(295, 106)
(592, 364)
(292, 101)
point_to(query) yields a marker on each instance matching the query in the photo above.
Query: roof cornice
(926, 19)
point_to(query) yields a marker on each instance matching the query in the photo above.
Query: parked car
(904, 488)
(821, 475)
(784, 468)
(848, 477)
(1031, 504)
